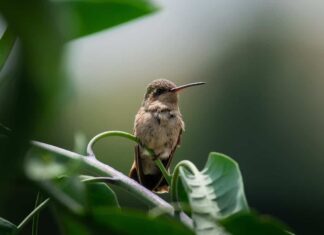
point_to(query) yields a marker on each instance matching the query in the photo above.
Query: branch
(98, 168)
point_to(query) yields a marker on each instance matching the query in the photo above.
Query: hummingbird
(158, 125)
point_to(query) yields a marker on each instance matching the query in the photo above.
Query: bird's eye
(159, 91)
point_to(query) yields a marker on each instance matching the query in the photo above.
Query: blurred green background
(262, 105)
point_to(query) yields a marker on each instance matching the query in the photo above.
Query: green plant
(76, 184)
(213, 198)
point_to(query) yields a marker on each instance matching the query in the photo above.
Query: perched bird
(158, 125)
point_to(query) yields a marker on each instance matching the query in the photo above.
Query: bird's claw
(155, 157)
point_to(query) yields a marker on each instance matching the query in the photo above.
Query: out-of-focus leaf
(4, 131)
(6, 227)
(115, 222)
(44, 165)
(74, 188)
(80, 143)
(214, 193)
(100, 195)
(71, 224)
(87, 16)
(253, 224)
(7, 41)
(136, 223)
(68, 192)
(50, 171)
(58, 178)
(98, 192)
(37, 84)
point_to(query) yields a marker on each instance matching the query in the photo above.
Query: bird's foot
(155, 157)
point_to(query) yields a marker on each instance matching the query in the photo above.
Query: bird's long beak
(179, 88)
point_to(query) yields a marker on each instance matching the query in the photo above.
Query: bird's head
(165, 91)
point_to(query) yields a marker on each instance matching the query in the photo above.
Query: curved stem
(112, 133)
(31, 214)
(131, 137)
(174, 182)
(165, 173)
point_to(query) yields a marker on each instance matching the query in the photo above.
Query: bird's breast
(159, 130)
(165, 118)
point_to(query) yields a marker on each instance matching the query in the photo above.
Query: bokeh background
(263, 62)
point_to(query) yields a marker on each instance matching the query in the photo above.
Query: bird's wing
(157, 182)
(136, 172)
(133, 172)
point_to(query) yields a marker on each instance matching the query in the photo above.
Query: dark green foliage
(6, 227)
(100, 195)
(87, 17)
(136, 223)
(31, 90)
(253, 224)
(6, 43)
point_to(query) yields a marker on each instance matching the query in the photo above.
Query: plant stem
(111, 133)
(98, 168)
(174, 182)
(165, 173)
(131, 137)
(36, 217)
(31, 214)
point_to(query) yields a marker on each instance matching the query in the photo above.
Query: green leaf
(98, 192)
(252, 224)
(90, 16)
(74, 188)
(6, 227)
(50, 171)
(68, 192)
(100, 195)
(114, 221)
(227, 184)
(136, 223)
(7, 41)
(72, 225)
(44, 165)
(214, 193)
